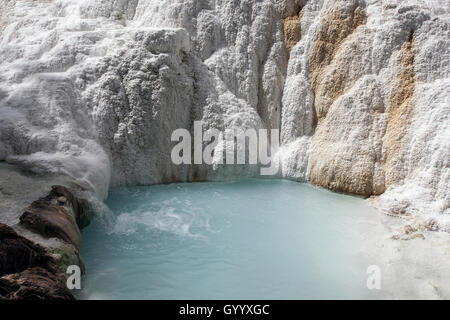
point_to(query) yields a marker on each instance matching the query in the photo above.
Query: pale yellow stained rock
(362, 151)
(336, 26)
(399, 115)
(344, 156)
(292, 30)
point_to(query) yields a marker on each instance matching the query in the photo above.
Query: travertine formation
(292, 26)
(358, 100)
(92, 90)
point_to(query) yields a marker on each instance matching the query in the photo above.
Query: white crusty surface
(94, 89)
(91, 91)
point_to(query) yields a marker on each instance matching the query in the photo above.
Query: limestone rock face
(357, 103)
(93, 90)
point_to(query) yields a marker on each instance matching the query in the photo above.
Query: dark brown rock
(18, 254)
(34, 284)
(59, 214)
(50, 220)
(50, 216)
(27, 270)
(81, 209)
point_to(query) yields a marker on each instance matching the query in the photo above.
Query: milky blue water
(251, 239)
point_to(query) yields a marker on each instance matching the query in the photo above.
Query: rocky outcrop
(27, 270)
(18, 253)
(34, 284)
(335, 69)
(400, 111)
(33, 263)
(358, 104)
(293, 27)
(329, 80)
(58, 215)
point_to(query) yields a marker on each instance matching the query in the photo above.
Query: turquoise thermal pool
(249, 239)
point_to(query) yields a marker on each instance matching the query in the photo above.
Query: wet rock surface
(18, 253)
(57, 215)
(80, 207)
(50, 220)
(34, 284)
(27, 270)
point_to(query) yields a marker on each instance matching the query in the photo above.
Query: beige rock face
(337, 63)
(365, 104)
(348, 158)
(329, 80)
(401, 106)
(292, 26)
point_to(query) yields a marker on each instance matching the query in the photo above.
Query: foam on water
(248, 239)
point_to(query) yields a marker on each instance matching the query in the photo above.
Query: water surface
(251, 239)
